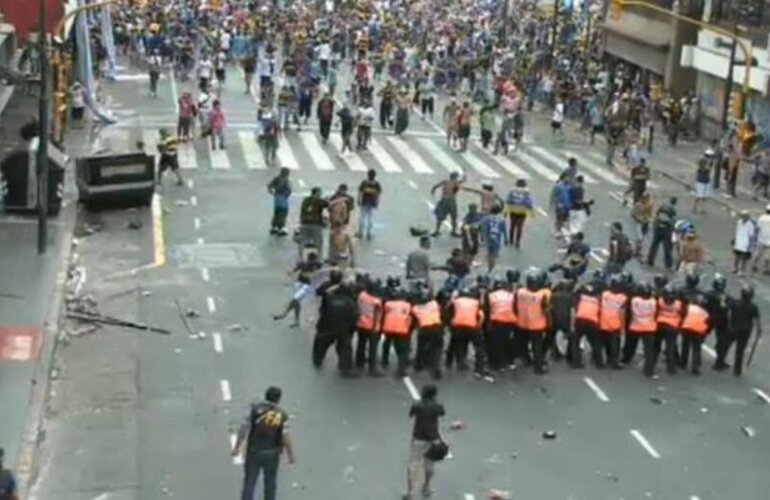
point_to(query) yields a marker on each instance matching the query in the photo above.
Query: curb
(26, 462)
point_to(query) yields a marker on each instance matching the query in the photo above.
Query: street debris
(657, 400)
(354, 447)
(110, 320)
(611, 477)
(457, 425)
(237, 327)
(494, 459)
(349, 474)
(514, 455)
(135, 224)
(177, 351)
(551, 435)
(704, 410)
(182, 203)
(191, 313)
(749, 431)
(184, 316)
(499, 494)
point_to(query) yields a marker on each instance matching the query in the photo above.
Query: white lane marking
(301, 183)
(187, 157)
(597, 258)
(205, 276)
(190, 184)
(411, 388)
(412, 184)
(694, 497)
(431, 205)
(211, 304)
(762, 395)
(227, 394)
(150, 140)
(532, 163)
(469, 496)
(616, 196)
(194, 201)
(255, 160)
(352, 160)
(645, 444)
(709, 350)
(286, 156)
(604, 252)
(197, 223)
(598, 170)
(560, 163)
(217, 338)
(541, 211)
(412, 156)
(239, 459)
(384, 158)
(219, 159)
(438, 152)
(200, 241)
(597, 390)
(485, 170)
(317, 151)
(174, 91)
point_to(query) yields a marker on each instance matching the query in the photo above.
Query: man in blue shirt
(280, 188)
(494, 233)
(560, 204)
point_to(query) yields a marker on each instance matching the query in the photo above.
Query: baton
(753, 350)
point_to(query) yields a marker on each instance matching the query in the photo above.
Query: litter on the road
(190, 313)
(135, 224)
(657, 400)
(237, 327)
(549, 435)
(749, 431)
(499, 494)
(109, 320)
(457, 425)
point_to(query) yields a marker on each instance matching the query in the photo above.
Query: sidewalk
(31, 288)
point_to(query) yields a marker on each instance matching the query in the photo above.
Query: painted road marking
(598, 170)
(205, 276)
(197, 223)
(485, 170)
(237, 460)
(352, 160)
(431, 205)
(200, 241)
(384, 158)
(158, 235)
(411, 388)
(534, 164)
(616, 196)
(541, 211)
(560, 163)
(190, 183)
(217, 338)
(438, 152)
(286, 157)
(224, 385)
(211, 304)
(187, 158)
(194, 201)
(469, 496)
(219, 159)
(709, 350)
(251, 151)
(317, 152)
(597, 390)
(762, 395)
(645, 444)
(301, 183)
(412, 184)
(597, 258)
(412, 157)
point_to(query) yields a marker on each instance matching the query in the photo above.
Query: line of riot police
(510, 324)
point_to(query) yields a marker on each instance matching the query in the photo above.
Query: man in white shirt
(205, 71)
(365, 121)
(324, 54)
(763, 242)
(745, 232)
(557, 119)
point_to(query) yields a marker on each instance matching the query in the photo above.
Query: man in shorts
(447, 205)
(702, 185)
(304, 272)
(169, 156)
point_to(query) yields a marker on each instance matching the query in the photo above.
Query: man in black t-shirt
(426, 414)
(663, 229)
(311, 221)
(266, 437)
(369, 192)
(744, 318)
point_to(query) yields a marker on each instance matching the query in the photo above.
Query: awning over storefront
(640, 40)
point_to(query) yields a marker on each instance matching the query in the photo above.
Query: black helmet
(719, 283)
(747, 292)
(669, 292)
(599, 275)
(499, 283)
(374, 286)
(626, 278)
(660, 280)
(362, 278)
(616, 282)
(531, 280)
(512, 276)
(335, 276)
(645, 289)
(393, 282)
(691, 280)
(482, 280)
(466, 292)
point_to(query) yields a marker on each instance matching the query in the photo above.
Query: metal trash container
(116, 181)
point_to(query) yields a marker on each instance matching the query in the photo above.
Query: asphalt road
(168, 404)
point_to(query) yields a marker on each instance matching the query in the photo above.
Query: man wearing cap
(745, 232)
(8, 489)
(763, 242)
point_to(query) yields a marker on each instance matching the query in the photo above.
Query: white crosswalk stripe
(251, 151)
(437, 151)
(561, 162)
(286, 156)
(384, 158)
(481, 166)
(352, 160)
(583, 164)
(600, 159)
(534, 164)
(317, 151)
(150, 139)
(219, 159)
(412, 157)
(187, 158)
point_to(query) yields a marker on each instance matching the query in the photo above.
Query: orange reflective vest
(669, 314)
(612, 312)
(643, 312)
(428, 315)
(466, 313)
(587, 309)
(397, 318)
(530, 309)
(368, 306)
(501, 307)
(696, 320)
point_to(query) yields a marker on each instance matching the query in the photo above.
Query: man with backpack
(620, 250)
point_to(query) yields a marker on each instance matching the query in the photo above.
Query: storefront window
(747, 12)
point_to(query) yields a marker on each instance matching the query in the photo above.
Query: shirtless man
(341, 247)
(447, 205)
(487, 195)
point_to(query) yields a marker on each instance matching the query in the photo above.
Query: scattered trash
(201, 335)
(177, 351)
(514, 455)
(146, 293)
(237, 327)
(349, 474)
(704, 410)
(135, 224)
(353, 448)
(660, 388)
(166, 491)
(181, 203)
(499, 494)
(54, 375)
(611, 477)
(109, 320)
(749, 431)
(191, 313)
(457, 425)
(494, 459)
(489, 379)
(657, 400)
(549, 435)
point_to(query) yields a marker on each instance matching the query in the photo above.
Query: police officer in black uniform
(266, 437)
(744, 320)
(718, 306)
(336, 323)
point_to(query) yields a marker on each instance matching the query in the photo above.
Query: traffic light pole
(42, 149)
(729, 83)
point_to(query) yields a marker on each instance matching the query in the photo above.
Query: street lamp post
(729, 82)
(42, 149)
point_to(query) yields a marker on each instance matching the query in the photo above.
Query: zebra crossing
(304, 150)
